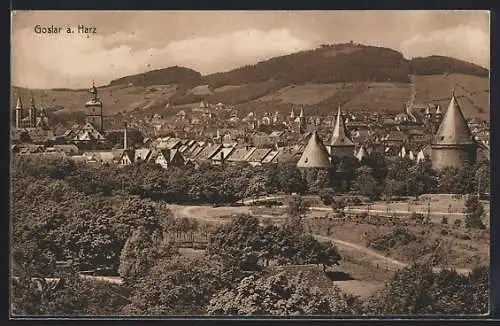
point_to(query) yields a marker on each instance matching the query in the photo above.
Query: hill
(356, 76)
(172, 75)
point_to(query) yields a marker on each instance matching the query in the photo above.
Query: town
(407, 134)
(209, 170)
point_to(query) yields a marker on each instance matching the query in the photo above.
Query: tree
(474, 212)
(280, 295)
(297, 210)
(326, 196)
(141, 252)
(394, 188)
(69, 296)
(418, 290)
(256, 186)
(366, 184)
(316, 179)
(291, 179)
(180, 286)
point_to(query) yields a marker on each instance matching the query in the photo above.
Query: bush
(397, 237)
(457, 223)
(444, 220)
(444, 232)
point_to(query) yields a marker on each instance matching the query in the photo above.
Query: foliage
(397, 237)
(70, 296)
(474, 212)
(337, 63)
(251, 246)
(180, 286)
(438, 65)
(326, 196)
(280, 295)
(141, 252)
(419, 290)
(366, 184)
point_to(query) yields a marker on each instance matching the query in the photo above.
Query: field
(365, 269)
(374, 96)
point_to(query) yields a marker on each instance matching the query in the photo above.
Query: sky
(131, 42)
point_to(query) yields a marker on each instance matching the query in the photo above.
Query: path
(107, 279)
(354, 210)
(198, 212)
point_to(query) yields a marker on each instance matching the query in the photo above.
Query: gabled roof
(258, 155)
(208, 151)
(339, 137)
(241, 154)
(222, 153)
(315, 154)
(454, 129)
(270, 156)
(142, 153)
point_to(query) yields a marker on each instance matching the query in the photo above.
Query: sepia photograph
(324, 164)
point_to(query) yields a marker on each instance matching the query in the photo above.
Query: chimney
(125, 144)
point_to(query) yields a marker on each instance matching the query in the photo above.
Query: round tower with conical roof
(453, 144)
(315, 154)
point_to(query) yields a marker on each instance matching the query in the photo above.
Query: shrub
(399, 236)
(457, 223)
(444, 220)
(444, 232)
(363, 215)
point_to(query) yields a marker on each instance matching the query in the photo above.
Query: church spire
(32, 101)
(339, 137)
(19, 104)
(93, 91)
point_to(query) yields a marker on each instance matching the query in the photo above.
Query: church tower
(94, 109)
(340, 144)
(302, 122)
(19, 112)
(453, 145)
(32, 113)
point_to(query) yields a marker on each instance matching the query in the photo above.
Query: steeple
(292, 114)
(19, 105)
(32, 112)
(125, 140)
(453, 129)
(301, 113)
(315, 154)
(339, 137)
(93, 91)
(19, 112)
(94, 109)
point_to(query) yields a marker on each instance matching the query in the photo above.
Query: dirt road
(213, 214)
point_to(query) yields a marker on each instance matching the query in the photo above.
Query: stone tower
(453, 144)
(19, 112)
(340, 144)
(94, 110)
(315, 154)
